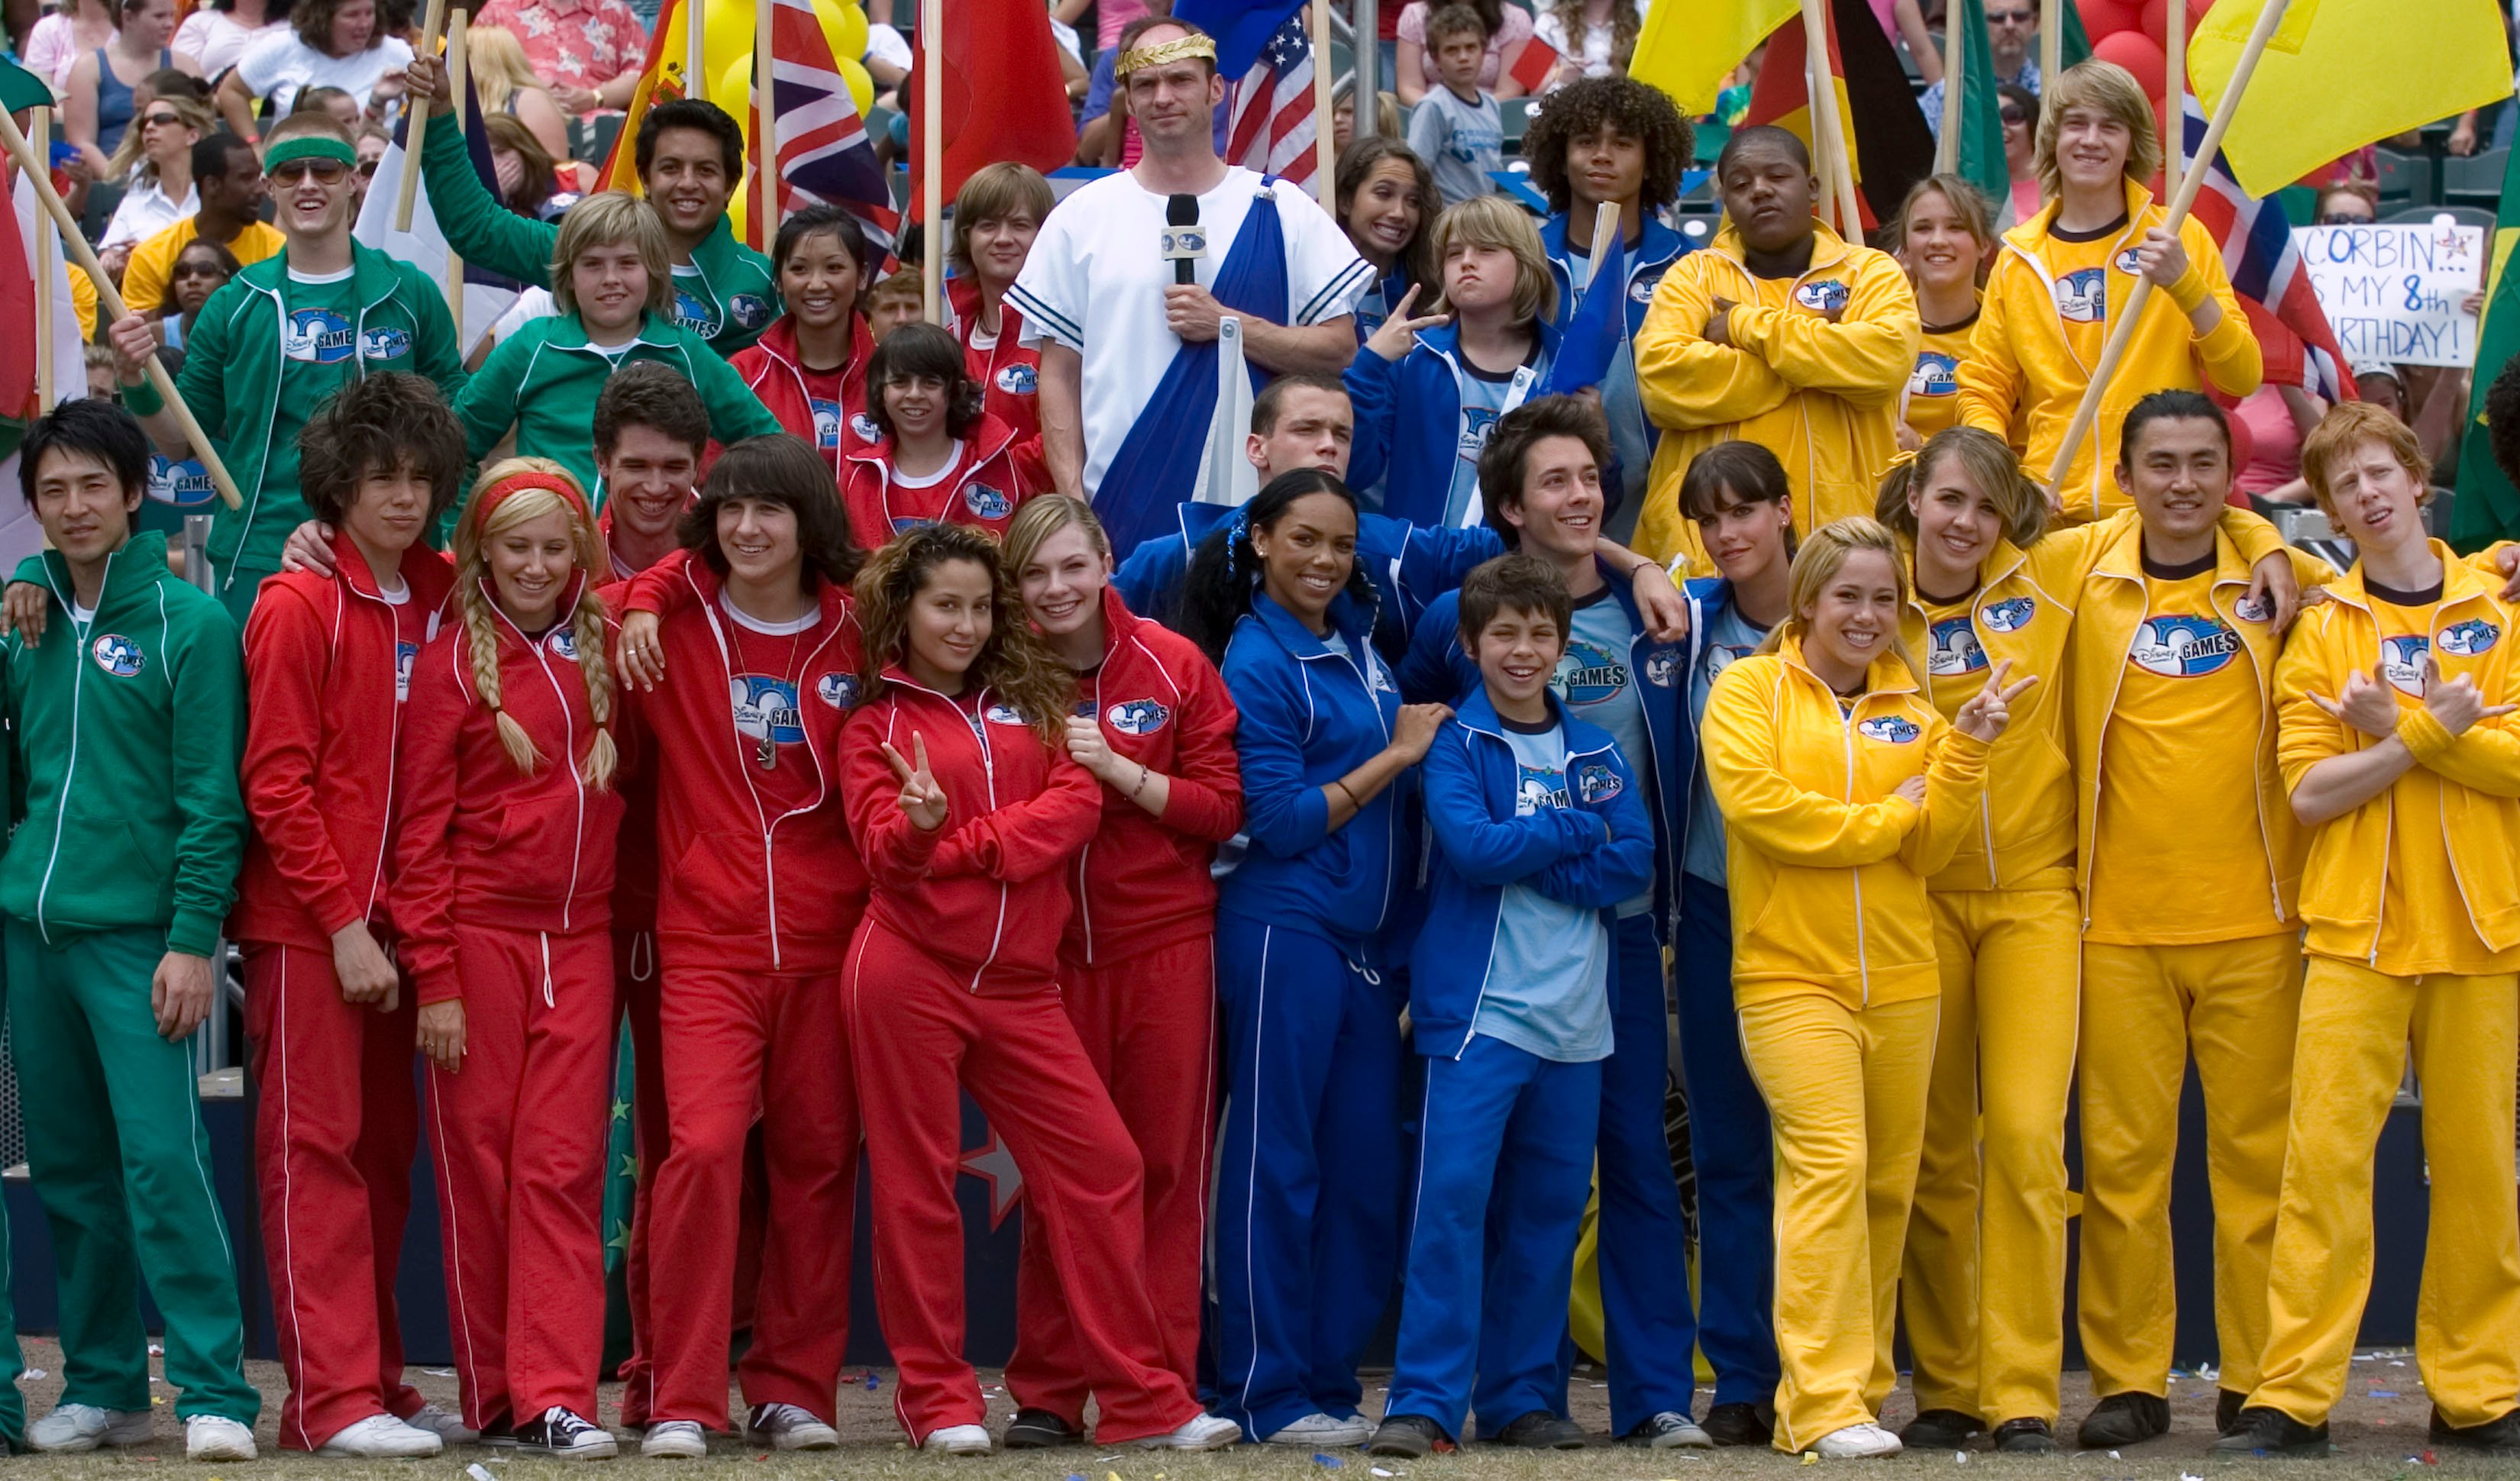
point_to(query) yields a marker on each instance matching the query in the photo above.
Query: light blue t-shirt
(1595, 683)
(1548, 991)
(1461, 140)
(1484, 394)
(1727, 637)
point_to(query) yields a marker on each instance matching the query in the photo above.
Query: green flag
(1981, 151)
(2078, 42)
(2488, 507)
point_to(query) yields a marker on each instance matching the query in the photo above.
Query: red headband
(515, 483)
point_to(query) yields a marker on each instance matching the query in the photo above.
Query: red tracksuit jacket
(746, 887)
(987, 894)
(996, 474)
(770, 366)
(1143, 882)
(479, 843)
(1011, 370)
(322, 671)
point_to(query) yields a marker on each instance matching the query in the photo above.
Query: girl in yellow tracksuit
(2400, 750)
(1842, 790)
(1812, 373)
(1946, 242)
(2054, 294)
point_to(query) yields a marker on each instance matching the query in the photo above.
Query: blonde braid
(483, 642)
(586, 625)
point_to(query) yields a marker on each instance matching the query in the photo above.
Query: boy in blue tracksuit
(1417, 415)
(1540, 478)
(1540, 830)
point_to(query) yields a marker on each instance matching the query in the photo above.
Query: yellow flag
(2335, 77)
(1688, 47)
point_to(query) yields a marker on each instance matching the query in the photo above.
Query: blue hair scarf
(1156, 468)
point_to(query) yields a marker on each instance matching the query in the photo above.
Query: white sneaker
(216, 1437)
(787, 1426)
(1322, 1432)
(959, 1439)
(448, 1429)
(675, 1440)
(73, 1427)
(382, 1437)
(1858, 1441)
(1204, 1433)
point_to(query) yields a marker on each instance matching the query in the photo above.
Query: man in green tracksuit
(282, 336)
(126, 723)
(690, 156)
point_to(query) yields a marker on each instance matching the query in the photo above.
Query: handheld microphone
(1184, 242)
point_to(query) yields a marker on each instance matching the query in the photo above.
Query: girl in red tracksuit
(810, 366)
(502, 890)
(937, 456)
(760, 892)
(1138, 964)
(997, 214)
(328, 663)
(968, 811)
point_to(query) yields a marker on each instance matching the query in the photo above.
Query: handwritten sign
(2397, 291)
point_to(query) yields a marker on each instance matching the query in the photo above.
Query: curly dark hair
(778, 468)
(924, 350)
(1581, 109)
(1226, 569)
(1016, 661)
(373, 425)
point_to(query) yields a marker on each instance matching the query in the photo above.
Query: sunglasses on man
(324, 171)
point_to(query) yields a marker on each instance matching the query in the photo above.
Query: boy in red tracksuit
(757, 653)
(327, 666)
(952, 984)
(1136, 966)
(503, 889)
(937, 455)
(997, 214)
(810, 366)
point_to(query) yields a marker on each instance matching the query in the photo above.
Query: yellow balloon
(861, 85)
(844, 26)
(732, 90)
(728, 34)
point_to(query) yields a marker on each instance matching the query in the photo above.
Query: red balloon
(2139, 53)
(2156, 21)
(2107, 18)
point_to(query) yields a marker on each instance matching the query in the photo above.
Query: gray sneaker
(73, 1427)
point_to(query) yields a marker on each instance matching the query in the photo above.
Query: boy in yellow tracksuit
(2060, 281)
(1842, 790)
(2190, 861)
(1782, 333)
(1983, 1282)
(2398, 746)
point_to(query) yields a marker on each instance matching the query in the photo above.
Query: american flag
(2268, 273)
(823, 154)
(1275, 131)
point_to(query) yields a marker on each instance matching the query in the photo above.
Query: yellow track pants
(2236, 1004)
(1983, 1284)
(1845, 1088)
(2356, 1025)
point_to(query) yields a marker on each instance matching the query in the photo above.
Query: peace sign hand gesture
(921, 799)
(1990, 709)
(1397, 335)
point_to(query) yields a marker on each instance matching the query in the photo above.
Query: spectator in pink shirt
(587, 52)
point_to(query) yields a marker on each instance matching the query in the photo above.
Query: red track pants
(335, 1132)
(1148, 1023)
(915, 1034)
(520, 1136)
(744, 1045)
(637, 984)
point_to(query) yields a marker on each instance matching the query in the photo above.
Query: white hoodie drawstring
(547, 1000)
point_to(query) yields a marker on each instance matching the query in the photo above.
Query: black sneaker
(2227, 1404)
(2262, 1431)
(1542, 1430)
(1411, 1437)
(562, 1433)
(499, 1434)
(1740, 1424)
(2494, 1437)
(1040, 1429)
(1939, 1429)
(2025, 1437)
(2124, 1419)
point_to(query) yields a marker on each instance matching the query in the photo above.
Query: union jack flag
(1275, 131)
(2267, 272)
(822, 152)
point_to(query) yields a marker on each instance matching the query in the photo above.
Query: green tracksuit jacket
(128, 731)
(729, 299)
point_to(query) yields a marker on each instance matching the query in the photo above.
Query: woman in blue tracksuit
(1308, 1173)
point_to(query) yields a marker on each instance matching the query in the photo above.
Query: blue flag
(1590, 345)
(1242, 28)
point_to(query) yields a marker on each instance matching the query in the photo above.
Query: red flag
(1539, 59)
(1003, 98)
(17, 290)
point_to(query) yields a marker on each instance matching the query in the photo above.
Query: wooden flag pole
(1326, 145)
(2190, 183)
(765, 125)
(2174, 90)
(459, 77)
(109, 302)
(1823, 87)
(417, 133)
(2051, 43)
(931, 174)
(1947, 149)
(695, 80)
(44, 369)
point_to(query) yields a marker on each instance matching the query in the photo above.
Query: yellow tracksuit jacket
(1823, 397)
(1828, 868)
(2022, 367)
